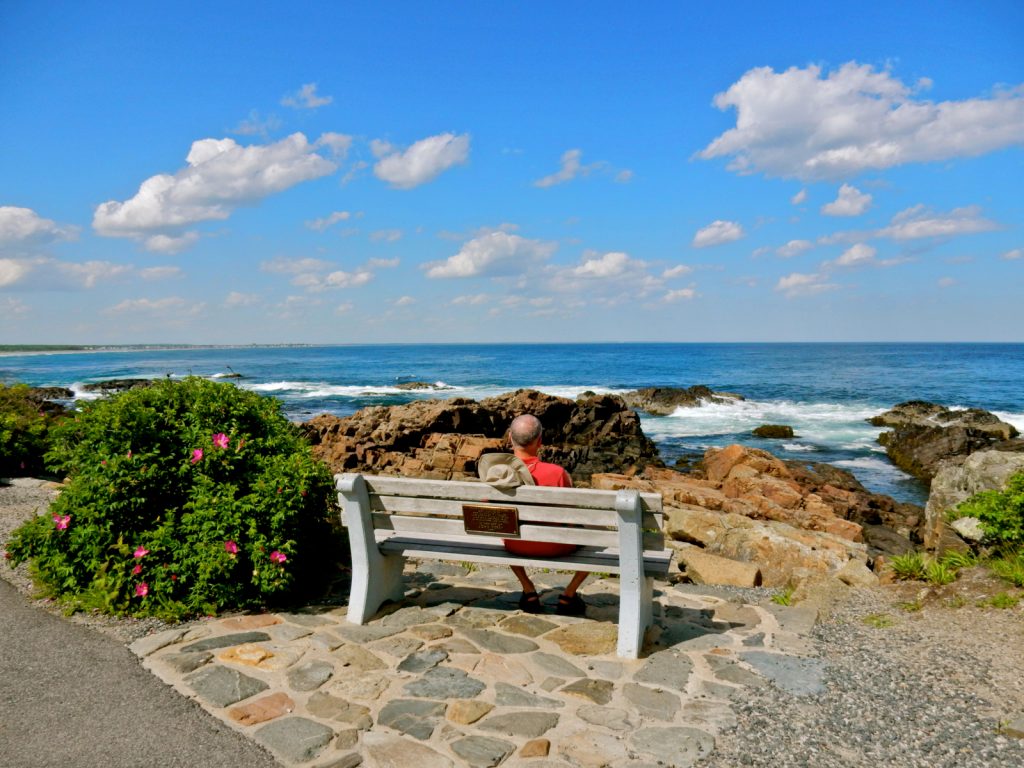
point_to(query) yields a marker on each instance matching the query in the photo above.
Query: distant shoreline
(10, 350)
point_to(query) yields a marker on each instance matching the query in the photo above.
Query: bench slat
(453, 527)
(474, 491)
(601, 560)
(568, 515)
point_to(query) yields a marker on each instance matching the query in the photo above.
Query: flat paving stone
(399, 647)
(223, 687)
(668, 669)
(676, 746)
(511, 696)
(357, 658)
(144, 646)
(801, 677)
(225, 641)
(556, 665)
(606, 670)
(482, 751)
(612, 718)
(430, 632)
(412, 717)
(661, 705)
(310, 676)
(504, 669)
(262, 709)
(730, 671)
(394, 751)
(405, 617)
(529, 725)
(445, 683)
(466, 712)
(497, 642)
(286, 633)
(297, 738)
(475, 618)
(367, 686)
(421, 661)
(530, 626)
(309, 619)
(456, 645)
(364, 633)
(593, 749)
(183, 663)
(597, 691)
(588, 638)
(328, 707)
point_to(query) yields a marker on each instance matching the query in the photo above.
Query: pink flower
(231, 548)
(60, 522)
(220, 440)
(197, 455)
(140, 552)
(278, 557)
(137, 569)
(128, 455)
(103, 463)
(141, 590)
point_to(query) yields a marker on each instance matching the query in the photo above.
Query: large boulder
(924, 434)
(957, 481)
(663, 401)
(443, 439)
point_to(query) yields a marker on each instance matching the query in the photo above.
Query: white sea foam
(1017, 419)
(311, 390)
(870, 465)
(799, 447)
(815, 423)
(82, 394)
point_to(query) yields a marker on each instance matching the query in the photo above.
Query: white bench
(391, 518)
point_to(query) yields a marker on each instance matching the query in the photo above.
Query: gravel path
(931, 688)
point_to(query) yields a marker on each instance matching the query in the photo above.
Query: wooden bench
(392, 518)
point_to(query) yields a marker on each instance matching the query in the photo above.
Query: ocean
(824, 391)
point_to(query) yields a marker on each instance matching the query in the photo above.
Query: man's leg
(569, 603)
(530, 600)
(577, 580)
(524, 579)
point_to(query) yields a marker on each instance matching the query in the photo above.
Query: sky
(409, 172)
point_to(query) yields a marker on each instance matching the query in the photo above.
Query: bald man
(525, 434)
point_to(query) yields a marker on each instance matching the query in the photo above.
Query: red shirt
(543, 473)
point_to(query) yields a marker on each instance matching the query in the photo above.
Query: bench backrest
(434, 508)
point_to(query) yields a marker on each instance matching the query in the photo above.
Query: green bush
(184, 498)
(23, 430)
(1001, 513)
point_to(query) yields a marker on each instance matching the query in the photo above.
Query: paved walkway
(455, 675)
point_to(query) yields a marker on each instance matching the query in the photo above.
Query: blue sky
(473, 172)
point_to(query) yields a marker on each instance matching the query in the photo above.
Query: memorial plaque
(491, 521)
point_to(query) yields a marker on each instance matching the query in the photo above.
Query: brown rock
(535, 748)
(249, 654)
(261, 710)
(254, 621)
(663, 401)
(704, 568)
(467, 711)
(589, 638)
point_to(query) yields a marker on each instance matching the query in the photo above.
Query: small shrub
(23, 432)
(1001, 513)
(935, 572)
(957, 560)
(1009, 567)
(908, 567)
(879, 620)
(184, 498)
(785, 597)
(1003, 600)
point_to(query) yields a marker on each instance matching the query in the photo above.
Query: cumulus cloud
(798, 284)
(13, 271)
(496, 253)
(570, 169)
(857, 255)
(799, 197)
(682, 294)
(44, 273)
(794, 248)
(422, 162)
(472, 300)
(405, 301)
(286, 266)
(717, 233)
(807, 124)
(383, 263)
(328, 221)
(338, 143)
(220, 175)
(611, 264)
(850, 202)
(1016, 253)
(239, 299)
(169, 244)
(21, 227)
(677, 271)
(920, 222)
(172, 306)
(306, 98)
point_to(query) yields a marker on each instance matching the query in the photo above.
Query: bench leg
(635, 616)
(368, 591)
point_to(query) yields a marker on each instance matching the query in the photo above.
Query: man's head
(525, 431)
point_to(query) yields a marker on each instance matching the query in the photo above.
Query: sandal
(530, 602)
(571, 606)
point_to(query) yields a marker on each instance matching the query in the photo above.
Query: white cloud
(328, 221)
(172, 306)
(254, 125)
(386, 235)
(472, 300)
(383, 263)
(613, 264)
(405, 301)
(716, 233)
(919, 222)
(683, 294)
(857, 255)
(496, 253)
(677, 271)
(170, 245)
(794, 248)
(306, 98)
(160, 273)
(799, 197)
(344, 308)
(422, 162)
(23, 226)
(44, 273)
(220, 176)
(314, 283)
(282, 265)
(338, 143)
(799, 123)
(239, 299)
(13, 271)
(569, 170)
(1016, 253)
(797, 284)
(946, 282)
(850, 202)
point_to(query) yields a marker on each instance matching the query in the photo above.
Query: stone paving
(456, 675)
